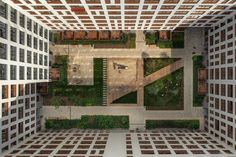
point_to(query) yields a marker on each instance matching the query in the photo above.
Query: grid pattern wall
(94, 143)
(126, 14)
(23, 63)
(222, 81)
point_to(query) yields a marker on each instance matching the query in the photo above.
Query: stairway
(104, 89)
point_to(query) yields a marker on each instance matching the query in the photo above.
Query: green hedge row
(189, 124)
(130, 98)
(197, 64)
(165, 44)
(90, 122)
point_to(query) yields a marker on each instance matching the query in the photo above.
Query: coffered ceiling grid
(126, 14)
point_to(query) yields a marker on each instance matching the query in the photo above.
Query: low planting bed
(165, 93)
(165, 43)
(151, 38)
(90, 122)
(152, 65)
(127, 41)
(87, 95)
(189, 124)
(197, 64)
(178, 39)
(130, 98)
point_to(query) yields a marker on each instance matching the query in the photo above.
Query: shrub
(90, 122)
(197, 64)
(61, 124)
(189, 124)
(150, 38)
(165, 44)
(104, 122)
(178, 39)
(57, 101)
(130, 98)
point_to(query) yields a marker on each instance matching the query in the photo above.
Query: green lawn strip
(90, 122)
(152, 65)
(189, 124)
(165, 93)
(79, 95)
(130, 98)
(197, 64)
(178, 39)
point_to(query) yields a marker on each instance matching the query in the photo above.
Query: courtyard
(149, 83)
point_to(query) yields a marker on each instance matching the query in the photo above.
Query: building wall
(222, 81)
(126, 14)
(18, 94)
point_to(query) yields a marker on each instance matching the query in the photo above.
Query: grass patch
(90, 122)
(152, 65)
(130, 98)
(165, 93)
(178, 39)
(79, 95)
(189, 124)
(197, 64)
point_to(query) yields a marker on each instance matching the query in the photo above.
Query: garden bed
(188, 124)
(130, 98)
(90, 122)
(197, 64)
(178, 39)
(127, 41)
(87, 95)
(152, 65)
(151, 38)
(165, 93)
(165, 43)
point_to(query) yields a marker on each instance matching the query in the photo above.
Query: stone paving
(80, 71)
(121, 81)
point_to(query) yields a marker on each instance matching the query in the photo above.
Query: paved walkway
(140, 78)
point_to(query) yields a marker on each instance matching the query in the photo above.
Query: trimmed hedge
(130, 98)
(189, 124)
(90, 122)
(128, 40)
(178, 39)
(197, 64)
(151, 38)
(104, 122)
(165, 44)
